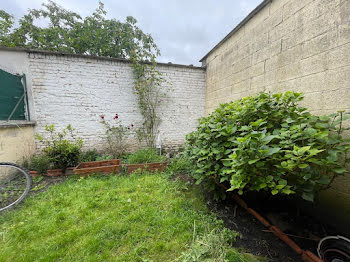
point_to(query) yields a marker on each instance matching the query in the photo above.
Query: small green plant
(116, 135)
(268, 142)
(180, 164)
(41, 163)
(146, 155)
(89, 155)
(124, 158)
(93, 155)
(104, 157)
(62, 148)
(26, 162)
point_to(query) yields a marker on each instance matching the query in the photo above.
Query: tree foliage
(67, 31)
(267, 142)
(6, 23)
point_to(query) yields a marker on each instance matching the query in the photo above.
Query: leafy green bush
(63, 148)
(146, 155)
(268, 142)
(41, 164)
(89, 155)
(93, 155)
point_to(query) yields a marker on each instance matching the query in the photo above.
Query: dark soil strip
(253, 236)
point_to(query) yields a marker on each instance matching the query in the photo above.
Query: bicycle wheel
(15, 183)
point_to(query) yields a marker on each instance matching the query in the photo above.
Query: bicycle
(15, 184)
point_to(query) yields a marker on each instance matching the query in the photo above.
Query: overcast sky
(184, 30)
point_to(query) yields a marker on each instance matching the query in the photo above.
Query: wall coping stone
(16, 123)
(105, 58)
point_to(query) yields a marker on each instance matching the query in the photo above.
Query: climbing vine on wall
(150, 95)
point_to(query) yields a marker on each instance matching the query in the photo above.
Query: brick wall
(78, 89)
(298, 45)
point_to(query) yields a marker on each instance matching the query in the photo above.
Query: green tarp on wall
(12, 99)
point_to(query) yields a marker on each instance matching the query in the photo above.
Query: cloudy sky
(184, 30)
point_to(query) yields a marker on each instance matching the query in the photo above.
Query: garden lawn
(142, 217)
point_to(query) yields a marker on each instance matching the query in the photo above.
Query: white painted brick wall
(77, 90)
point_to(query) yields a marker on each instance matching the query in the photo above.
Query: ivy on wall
(150, 95)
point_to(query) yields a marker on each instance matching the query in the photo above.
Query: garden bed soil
(254, 238)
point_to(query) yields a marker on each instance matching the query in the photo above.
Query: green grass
(145, 155)
(142, 217)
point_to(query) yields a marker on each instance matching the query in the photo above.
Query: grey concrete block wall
(298, 45)
(288, 45)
